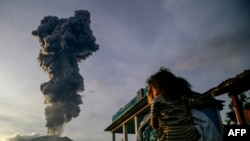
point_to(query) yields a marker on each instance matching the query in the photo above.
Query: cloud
(19, 137)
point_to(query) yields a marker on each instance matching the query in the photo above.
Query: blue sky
(204, 41)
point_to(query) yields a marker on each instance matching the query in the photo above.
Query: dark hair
(185, 87)
(166, 82)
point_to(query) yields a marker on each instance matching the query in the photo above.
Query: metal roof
(235, 85)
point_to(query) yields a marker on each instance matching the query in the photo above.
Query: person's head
(150, 95)
(152, 92)
(165, 83)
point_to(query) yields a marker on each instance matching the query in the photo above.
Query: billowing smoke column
(64, 43)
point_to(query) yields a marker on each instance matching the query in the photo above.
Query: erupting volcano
(64, 43)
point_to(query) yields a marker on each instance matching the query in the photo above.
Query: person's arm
(154, 114)
(201, 103)
(209, 102)
(154, 123)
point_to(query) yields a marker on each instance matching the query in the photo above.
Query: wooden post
(125, 132)
(238, 109)
(136, 127)
(113, 136)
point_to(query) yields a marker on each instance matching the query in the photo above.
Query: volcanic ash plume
(64, 43)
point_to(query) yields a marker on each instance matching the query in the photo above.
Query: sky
(203, 41)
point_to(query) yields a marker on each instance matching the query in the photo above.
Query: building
(127, 119)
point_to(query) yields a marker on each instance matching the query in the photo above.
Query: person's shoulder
(161, 99)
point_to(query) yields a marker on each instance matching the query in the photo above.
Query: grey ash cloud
(64, 43)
